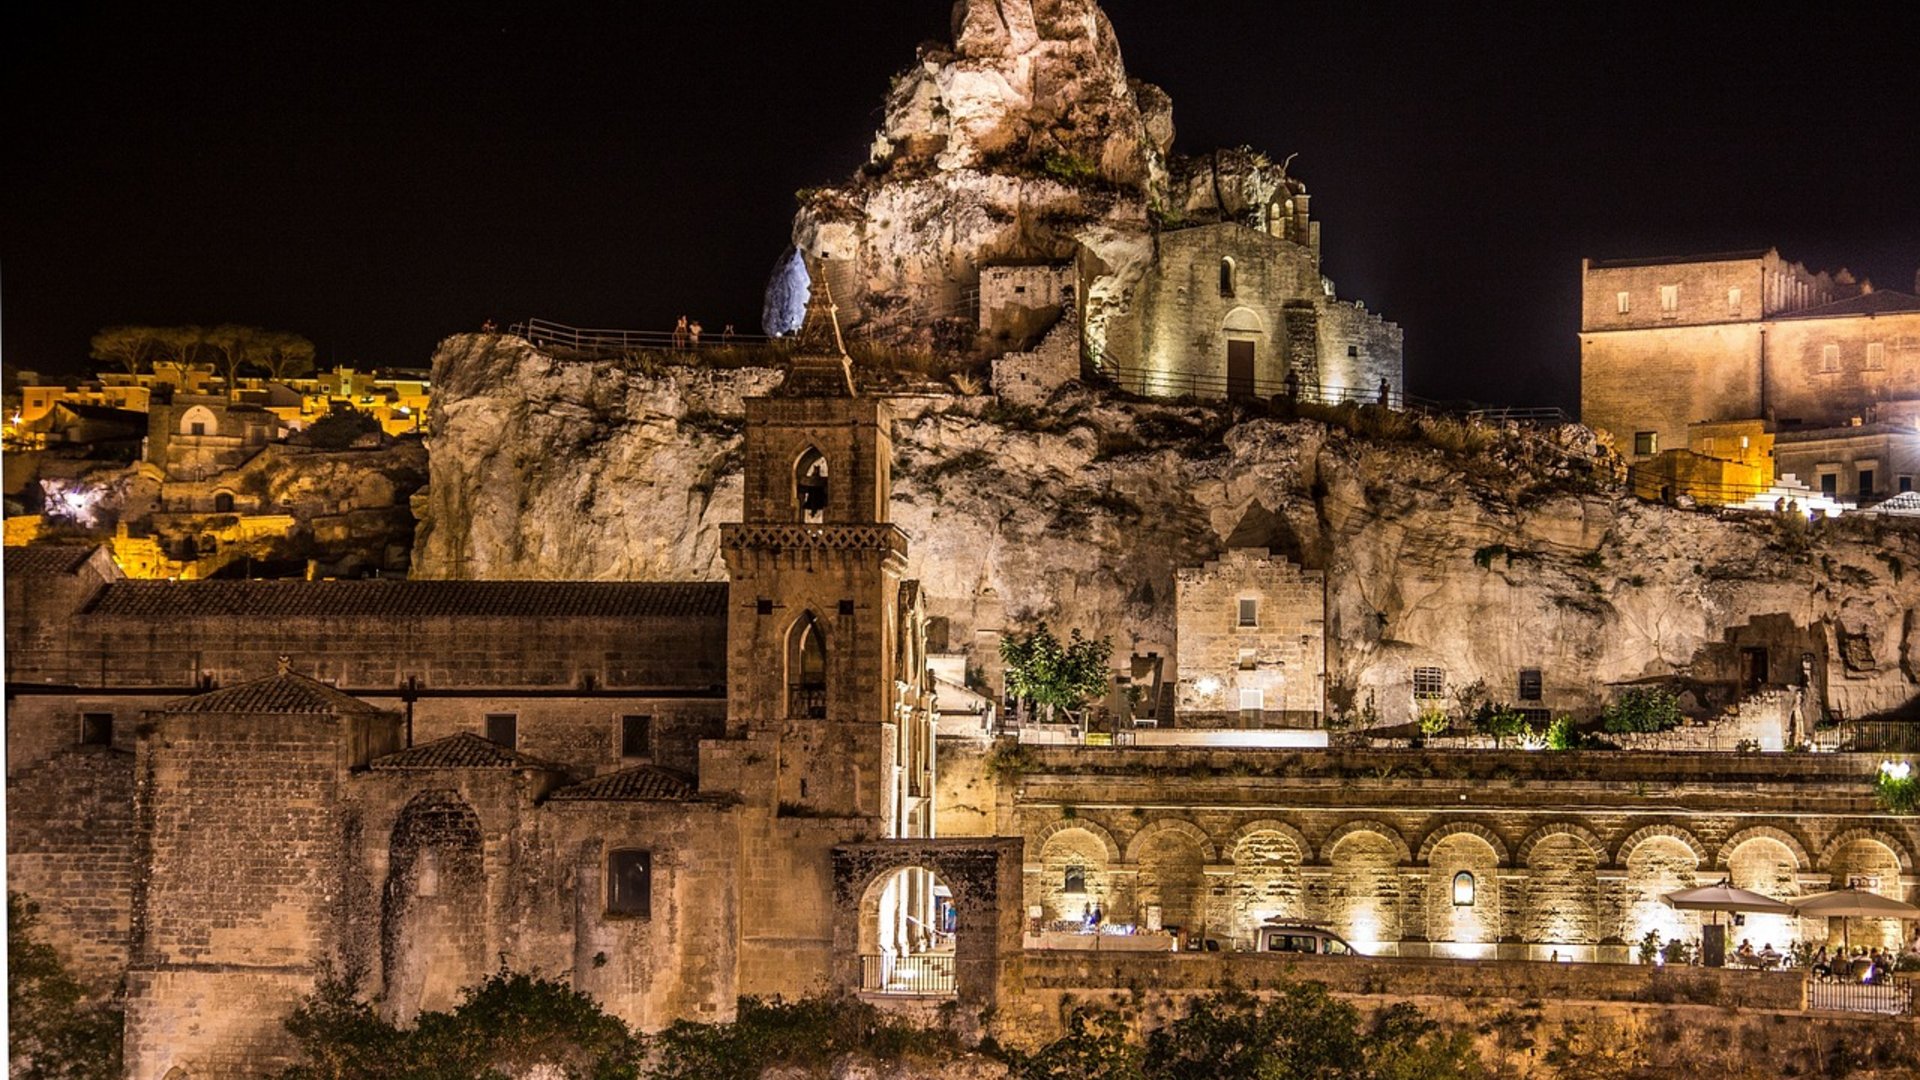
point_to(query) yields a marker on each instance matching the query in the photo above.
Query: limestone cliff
(1444, 546)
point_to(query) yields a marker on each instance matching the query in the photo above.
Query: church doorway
(908, 922)
(1240, 369)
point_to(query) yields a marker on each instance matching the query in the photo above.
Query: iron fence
(558, 335)
(1869, 736)
(1888, 996)
(925, 975)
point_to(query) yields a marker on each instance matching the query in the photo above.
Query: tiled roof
(463, 751)
(1672, 260)
(282, 693)
(643, 783)
(47, 559)
(1878, 302)
(419, 599)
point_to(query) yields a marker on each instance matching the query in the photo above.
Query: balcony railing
(1888, 997)
(926, 975)
(807, 703)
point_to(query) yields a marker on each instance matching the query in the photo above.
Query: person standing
(680, 333)
(693, 333)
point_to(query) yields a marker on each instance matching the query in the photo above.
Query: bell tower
(815, 625)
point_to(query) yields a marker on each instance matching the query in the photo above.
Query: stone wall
(70, 851)
(1662, 379)
(1280, 654)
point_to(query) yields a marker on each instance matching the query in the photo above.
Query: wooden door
(1239, 369)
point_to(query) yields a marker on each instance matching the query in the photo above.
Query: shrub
(1561, 736)
(1896, 789)
(340, 428)
(811, 1032)
(53, 1033)
(1095, 1047)
(1434, 719)
(1503, 722)
(1642, 709)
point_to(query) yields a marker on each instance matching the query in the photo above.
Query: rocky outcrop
(1481, 556)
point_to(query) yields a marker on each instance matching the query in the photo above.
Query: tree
(131, 348)
(283, 355)
(1305, 1032)
(1054, 677)
(231, 345)
(341, 428)
(181, 345)
(55, 1035)
(1095, 1047)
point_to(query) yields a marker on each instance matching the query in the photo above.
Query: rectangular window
(1623, 302)
(1353, 350)
(96, 729)
(1253, 701)
(1906, 484)
(1876, 356)
(630, 883)
(1248, 659)
(503, 728)
(636, 736)
(1530, 684)
(199, 428)
(1249, 612)
(1646, 443)
(1829, 359)
(1733, 300)
(1706, 446)
(1866, 482)
(1669, 300)
(1830, 484)
(1429, 683)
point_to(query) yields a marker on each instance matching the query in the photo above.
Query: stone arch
(1169, 858)
(199, 414)
(1266, 882)
(1366, 825)
(1523, 855)
(1228, 270)
(1662, 830)
(1462, 828)
(1364, 889)
(810, 485)
(1153, 829)
(1835, 845)
(1562, 904)
(433, 909)
(1802, 861)
(223, 502)
(1080, 847)
(1449, 852)
(1244, 320)
(1060, 825)
(983, 876)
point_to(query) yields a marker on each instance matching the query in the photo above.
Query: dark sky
(377, 177)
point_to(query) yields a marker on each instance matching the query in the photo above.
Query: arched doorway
(908, 921)
(433, 912)
(1243, 331)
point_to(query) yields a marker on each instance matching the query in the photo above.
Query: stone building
(1252, 643)
(1234, 310)
(674, 793)
(1831, 365)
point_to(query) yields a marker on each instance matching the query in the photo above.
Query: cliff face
(1480, 563)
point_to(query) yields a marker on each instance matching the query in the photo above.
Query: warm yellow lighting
(1463, 889)
(1206, 686)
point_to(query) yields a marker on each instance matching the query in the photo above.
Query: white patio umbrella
(1846, 904)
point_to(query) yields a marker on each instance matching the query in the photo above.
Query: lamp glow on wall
(1206, 686)
(1463, 889)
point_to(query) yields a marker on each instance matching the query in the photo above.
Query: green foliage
(1434, 719)
(1070, 169)
(1649, 946)
(1009, 759)
(1897, 794)
(1052, 675)
(811, 1032)
(510, 1025)
(53, 1033)
(1304, 1032)
(1501, 721)
(1642, 709)
(1561, 736)
(1095, 1047)
(340, 428)
(1677, 952)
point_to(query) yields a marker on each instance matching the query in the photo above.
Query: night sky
(377, 177)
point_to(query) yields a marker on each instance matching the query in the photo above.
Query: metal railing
(806, 703)
(1156, 383)
(925, 975)
(558, 335)
(1869, 736)
(1888, 996)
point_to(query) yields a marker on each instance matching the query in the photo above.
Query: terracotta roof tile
(462, 751)
(643, 783)
(419, 599)
(47, 559)
(279, 694)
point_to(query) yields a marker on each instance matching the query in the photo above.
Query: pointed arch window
(807, 671)
(810, 486)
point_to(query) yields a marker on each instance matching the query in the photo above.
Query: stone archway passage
(984, 876)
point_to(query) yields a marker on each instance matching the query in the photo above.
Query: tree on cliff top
(130, 348)
(1052, 675)
(53, 1035)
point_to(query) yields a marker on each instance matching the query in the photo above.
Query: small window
(630, 883)
(1253, 701)
(1226, 277)
(1463, 889)
(1019, 290)
(1829, 484)
(1866, 482)
(763, 606)
(1876, 356)
(223, 503)
(96, 729)
(1249, 659)
(1669, 299)
(846, 607)
(1646, 443)
(1623, 302)
(1530, 684)
(636, 736)
(1249, 611)
(1829, 359)
(1429, 683)
(199, 428)
(503, 728)
(1074, 881)
(1906, 484)
(1733, 300)
(1353, 350)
